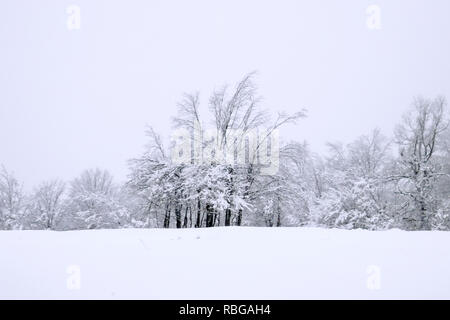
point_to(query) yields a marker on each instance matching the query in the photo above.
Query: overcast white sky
(71, 100)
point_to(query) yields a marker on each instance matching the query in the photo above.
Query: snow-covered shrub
(93, 203)
(12, 201)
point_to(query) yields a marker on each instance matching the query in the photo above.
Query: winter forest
(376, 182)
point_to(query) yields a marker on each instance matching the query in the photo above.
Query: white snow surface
(225, 263)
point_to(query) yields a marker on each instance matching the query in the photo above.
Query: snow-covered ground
(224, 263)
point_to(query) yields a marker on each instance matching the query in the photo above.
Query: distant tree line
(373, 183)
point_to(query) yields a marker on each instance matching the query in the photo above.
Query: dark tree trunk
(198, 221)
(239, 218)
(178, 215)
(167, 217)
(423, 216)
(231, 188)
(209, 215)
(227, 217)
(185, 224)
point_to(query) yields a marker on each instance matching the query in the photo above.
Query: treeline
(227, 178)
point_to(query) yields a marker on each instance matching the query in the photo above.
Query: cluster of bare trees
(90, 201)
(239, 173)
(376, 183)
(371, 183)
(223, 176)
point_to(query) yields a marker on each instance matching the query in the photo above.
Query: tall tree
(47, 203)
(218, 167)
(418, 137)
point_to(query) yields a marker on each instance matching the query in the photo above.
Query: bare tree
(417, 138)
(47, 202)
(368, 154)
(93, 180)
(11, 200)
(350, 187)
(93, 202)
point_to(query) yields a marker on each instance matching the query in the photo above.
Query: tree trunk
(167, 217)
(231, 188)
(227, 217)
(198, 221)
(209, 215)
(185, 224)
(423, 216)
(279, 219)
(178, 215)
(239, 218)
(278, 213)
(216, 218)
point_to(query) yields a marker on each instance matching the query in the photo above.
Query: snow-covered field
(224, 263)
